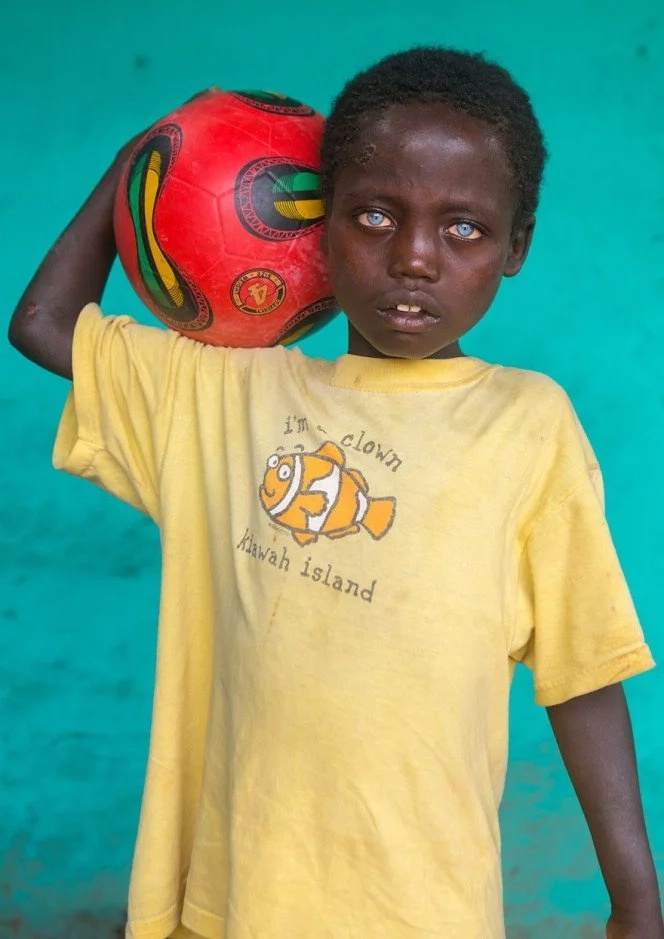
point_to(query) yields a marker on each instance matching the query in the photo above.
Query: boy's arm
(595, 739)
(73, 273)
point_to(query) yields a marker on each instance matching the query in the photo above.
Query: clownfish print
(313, 494)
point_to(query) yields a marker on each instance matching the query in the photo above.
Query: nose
(415, 253)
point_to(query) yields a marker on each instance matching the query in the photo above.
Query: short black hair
(428, 75)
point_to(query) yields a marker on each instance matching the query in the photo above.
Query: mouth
(408, 318)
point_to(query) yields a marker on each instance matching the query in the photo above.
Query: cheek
(347, 261)
(480, 270)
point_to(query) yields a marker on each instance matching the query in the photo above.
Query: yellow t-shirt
(355, 554)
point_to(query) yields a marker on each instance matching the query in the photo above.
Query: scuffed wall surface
(79, 578)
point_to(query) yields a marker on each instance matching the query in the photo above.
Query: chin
(390, 344)
(409, 354)
(408, 347)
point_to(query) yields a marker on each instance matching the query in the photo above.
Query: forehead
(433, 148)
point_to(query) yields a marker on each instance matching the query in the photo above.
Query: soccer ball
(218, 218)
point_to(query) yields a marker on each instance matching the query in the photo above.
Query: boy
(356, 553)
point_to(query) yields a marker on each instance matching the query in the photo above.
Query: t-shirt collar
(360, 372)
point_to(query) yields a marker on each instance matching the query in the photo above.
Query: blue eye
(374, 218)
(466, 231)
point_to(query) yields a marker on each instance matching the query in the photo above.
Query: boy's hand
(649, 928)
(126, 151)
(73, 273)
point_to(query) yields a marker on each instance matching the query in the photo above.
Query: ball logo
(278, 200)
(258, 292)
(304, 322)
(273, 103)
(180, 302)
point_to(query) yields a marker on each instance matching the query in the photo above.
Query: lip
(408, 322)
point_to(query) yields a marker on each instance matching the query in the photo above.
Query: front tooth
(405, 308)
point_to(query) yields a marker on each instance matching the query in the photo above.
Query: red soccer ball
(218, 219)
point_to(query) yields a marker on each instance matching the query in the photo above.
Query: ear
(519, 246)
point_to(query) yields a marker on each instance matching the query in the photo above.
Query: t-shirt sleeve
(115, 419)
(576, 626)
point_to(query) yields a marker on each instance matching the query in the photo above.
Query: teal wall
(79, 573)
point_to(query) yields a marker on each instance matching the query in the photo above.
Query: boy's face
(420, 232)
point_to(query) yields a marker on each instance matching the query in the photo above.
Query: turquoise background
(79, 572)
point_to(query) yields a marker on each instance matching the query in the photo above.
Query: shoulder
(535, 388)
(535, 400)
(261, 364)
(153, 343)
(272, 364)
(559, 452)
